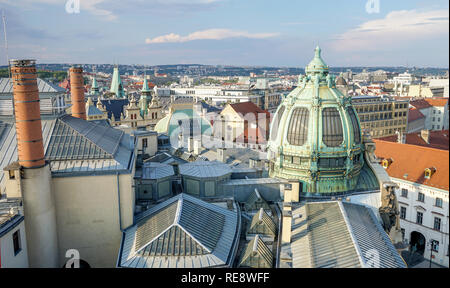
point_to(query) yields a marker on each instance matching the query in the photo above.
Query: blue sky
(229, 32)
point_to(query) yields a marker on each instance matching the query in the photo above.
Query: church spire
(116, 84)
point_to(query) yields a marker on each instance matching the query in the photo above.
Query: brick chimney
(425, 134)
(27, 113)
(77, 93)
(31, 179)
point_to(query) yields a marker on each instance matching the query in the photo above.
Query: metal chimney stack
(27, 113)
(77, 93)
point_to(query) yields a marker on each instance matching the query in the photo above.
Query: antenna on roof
(6, 42)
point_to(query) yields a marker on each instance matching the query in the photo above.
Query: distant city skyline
(229, 32)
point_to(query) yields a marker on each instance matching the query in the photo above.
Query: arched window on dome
(276, 123)
(332, 130)
(356, 128)
(298, 127)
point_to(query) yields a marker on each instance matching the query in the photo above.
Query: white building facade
(425, 210)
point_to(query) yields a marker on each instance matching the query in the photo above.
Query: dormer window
(387, 162)
(429, 172)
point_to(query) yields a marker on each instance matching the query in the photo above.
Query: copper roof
(403, 155)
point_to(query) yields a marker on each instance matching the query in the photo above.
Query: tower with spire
(116, 84)
(145, 97)
(95, 90)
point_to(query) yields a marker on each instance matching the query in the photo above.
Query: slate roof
(182, 232)
(114, 106)
(339, 235)
(93, 111)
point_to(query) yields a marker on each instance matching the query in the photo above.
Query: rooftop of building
(415, 114)
(438, 139)
(43, 87)
(182, 232)
(74, 147)
(9, 216)
(337, 235)
(205, 169)
(429, 102)
(245, 108)
(403, 155)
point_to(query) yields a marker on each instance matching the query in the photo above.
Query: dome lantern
(316, 135)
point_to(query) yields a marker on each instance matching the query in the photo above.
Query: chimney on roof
(27, 114)
(77, 92)
(286, 233)
(425, 134)
(31, 179)
(401, 137)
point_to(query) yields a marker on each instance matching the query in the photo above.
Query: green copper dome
(316, 135)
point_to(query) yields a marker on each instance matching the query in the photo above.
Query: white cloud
(210, 34)
(397, 28)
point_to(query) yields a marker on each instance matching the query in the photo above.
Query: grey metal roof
(254, 181)
(43, 86)
(154, 170)
(201, 169)
(182, 232)
(262, 224)
(255, 202)
(339, 235)
(370, 235)
(74, 146)
(256, 255)
(93, 111)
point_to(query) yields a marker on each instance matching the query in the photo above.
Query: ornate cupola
(95, 90)
(316, 135)
(146, 96)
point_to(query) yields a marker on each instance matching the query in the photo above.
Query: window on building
(419, 219)
(439, 202)
(437, 224)
(298, 127)
(16, 242)
(144, 143)
(421, 197)
(435, 246)
(404, 193)
(332, 129)
(403, 212)
(403, 234)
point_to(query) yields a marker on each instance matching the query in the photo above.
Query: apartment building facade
(382, 115)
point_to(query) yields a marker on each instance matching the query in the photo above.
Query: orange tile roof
(410, 161)
(420, 104)
(439, 139)
(438, 102)
(414, 114)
